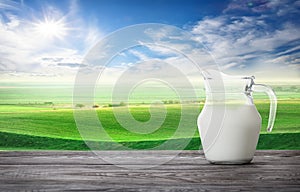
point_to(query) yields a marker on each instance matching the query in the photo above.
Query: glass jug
(229, 123)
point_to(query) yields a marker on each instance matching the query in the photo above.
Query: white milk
(236, 141)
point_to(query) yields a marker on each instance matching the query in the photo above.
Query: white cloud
(141, 56)
(228, 66)
(9, 5)
(23, 50)
(280, 7)
(250, 44)
(161, 50)
(92, 37)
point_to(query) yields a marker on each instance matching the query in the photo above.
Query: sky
(48, 40)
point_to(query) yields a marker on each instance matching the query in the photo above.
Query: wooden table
(188, 171)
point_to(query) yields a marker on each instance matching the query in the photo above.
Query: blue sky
(46, 39)
(114, 14)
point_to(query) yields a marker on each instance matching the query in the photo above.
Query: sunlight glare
(51, 28)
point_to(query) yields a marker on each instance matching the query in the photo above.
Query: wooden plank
(187, 171)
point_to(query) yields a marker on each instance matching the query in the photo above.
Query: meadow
(43, 119)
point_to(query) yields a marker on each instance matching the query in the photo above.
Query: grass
(38, 127)
(12, 141)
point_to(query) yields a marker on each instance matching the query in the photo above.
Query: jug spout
(213, 81)
(216, 81)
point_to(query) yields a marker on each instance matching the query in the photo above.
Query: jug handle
(273, 102)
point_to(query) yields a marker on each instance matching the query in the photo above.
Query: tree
(79, 105)
(122, 103)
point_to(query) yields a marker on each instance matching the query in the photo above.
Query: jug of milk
(229, 123)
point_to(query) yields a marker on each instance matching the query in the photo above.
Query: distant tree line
(292, 88)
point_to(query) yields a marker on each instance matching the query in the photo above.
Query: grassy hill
(35, 126)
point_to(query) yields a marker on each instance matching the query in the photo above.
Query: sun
(51, 28)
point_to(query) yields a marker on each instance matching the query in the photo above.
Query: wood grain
(187, 171)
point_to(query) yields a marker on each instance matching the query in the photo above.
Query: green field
(42, 127)
(37, 118)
